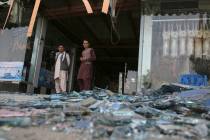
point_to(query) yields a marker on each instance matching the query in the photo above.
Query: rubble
(181, 114)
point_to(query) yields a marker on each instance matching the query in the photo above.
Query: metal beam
(33, 18)
(141, 39)
(79, 10)
(145, 49)
(38, 48)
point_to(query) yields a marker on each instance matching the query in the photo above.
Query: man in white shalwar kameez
(61, 69)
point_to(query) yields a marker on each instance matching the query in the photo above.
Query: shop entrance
(115, 39)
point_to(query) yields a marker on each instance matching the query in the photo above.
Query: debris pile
(172, 112)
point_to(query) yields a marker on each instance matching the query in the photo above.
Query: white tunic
(58, 63)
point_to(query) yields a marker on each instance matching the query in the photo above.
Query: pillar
(36, 59)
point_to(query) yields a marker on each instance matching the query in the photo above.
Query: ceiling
(70, 18)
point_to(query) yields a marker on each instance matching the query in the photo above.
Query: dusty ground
(34, 133)
(45, 132)
(21, 97)
(41, 133)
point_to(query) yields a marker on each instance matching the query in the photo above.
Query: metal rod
(140, 59)
(123, 82)
(192, 19)
(87, 6)
(105, 7)
(8, 14)
(33, 18)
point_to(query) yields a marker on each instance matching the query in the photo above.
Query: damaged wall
(13, 44)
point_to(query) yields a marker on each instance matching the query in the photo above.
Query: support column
(141, 39)
(145, 50)
(37, 53)
(72, 69)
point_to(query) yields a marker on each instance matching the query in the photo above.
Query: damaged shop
(138, 44)
(114, 36)
(150, 77)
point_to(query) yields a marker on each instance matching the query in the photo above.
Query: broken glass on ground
(155, 116)
(16, 121)
(110, 120)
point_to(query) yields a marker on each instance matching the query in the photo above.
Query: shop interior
(115, 38)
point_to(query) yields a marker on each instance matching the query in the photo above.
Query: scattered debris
(178, 112)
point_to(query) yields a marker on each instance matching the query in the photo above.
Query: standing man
(85, 74)
(62, 64)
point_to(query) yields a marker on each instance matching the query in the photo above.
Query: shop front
(173, 42)
(114, 36)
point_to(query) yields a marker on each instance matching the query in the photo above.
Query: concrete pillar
(37, 53)
(139, 82)
(145, 50)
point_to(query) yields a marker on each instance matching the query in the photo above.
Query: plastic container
(194, 80)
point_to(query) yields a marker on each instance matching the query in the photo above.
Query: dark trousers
(84, 84)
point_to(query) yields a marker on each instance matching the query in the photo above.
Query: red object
(85, 73)
(85, 84)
